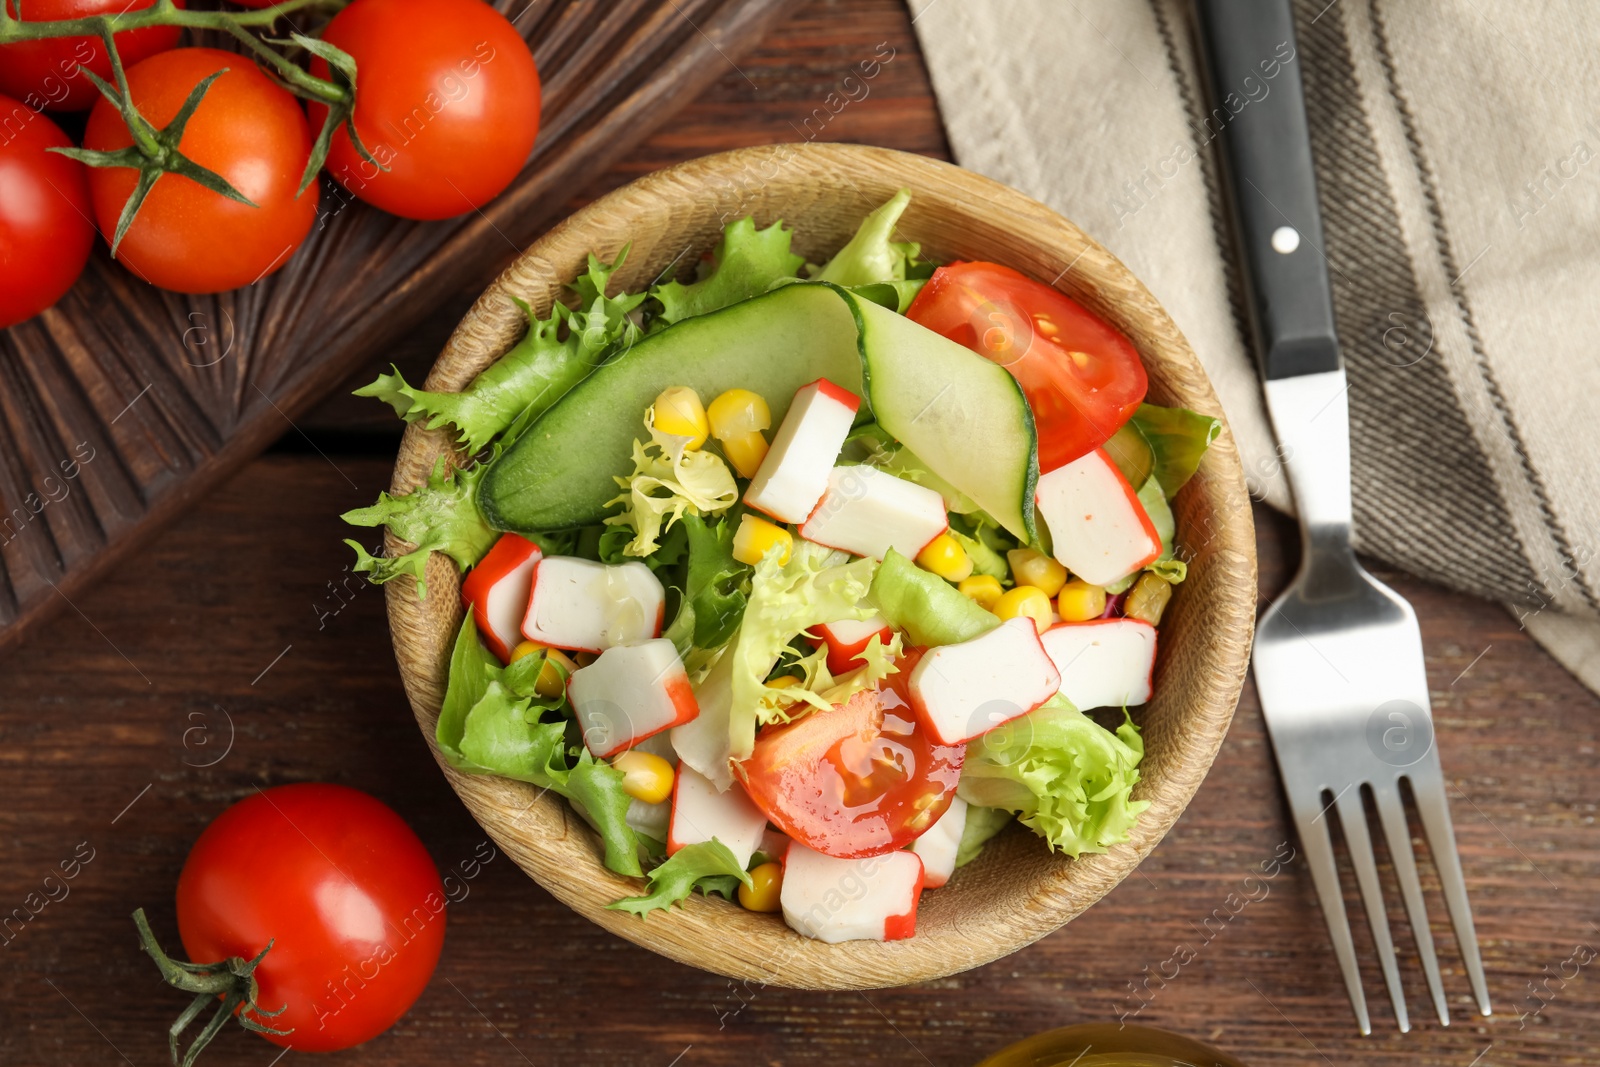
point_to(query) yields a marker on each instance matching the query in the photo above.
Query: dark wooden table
(115, 738)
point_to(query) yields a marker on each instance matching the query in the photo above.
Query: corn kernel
(678, 412)
(1079, 601)
(755, 537)
(645, 775)
(745, 451)
(1026, 601)
(738, 411)
(983, 588)
(945, 557)
(553, 675)
(1029, 566)
(1148, 598)
(782, 681)
(765, 888)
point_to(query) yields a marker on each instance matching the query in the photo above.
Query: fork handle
(1258, 113)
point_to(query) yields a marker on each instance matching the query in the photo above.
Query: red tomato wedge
(1081, 376)
(860, 780)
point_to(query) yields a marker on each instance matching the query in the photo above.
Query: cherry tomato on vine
(44, 74)
(1082, 378)
(860, 780)
(45, 232)
(186, 237)
(447, 97)
(344, 890)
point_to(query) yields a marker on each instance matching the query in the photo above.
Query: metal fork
(1338, 657)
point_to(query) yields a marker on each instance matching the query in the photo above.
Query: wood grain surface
(123, 404)
(243, 612)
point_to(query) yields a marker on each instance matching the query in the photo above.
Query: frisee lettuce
(981, 825)
(487, 727)
(709, 866)
(818, 687)
(812, 588)
(1066, 777)
(439, 516)
(553, 356)
(668, 482)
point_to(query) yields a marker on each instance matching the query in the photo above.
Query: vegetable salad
(764, 575)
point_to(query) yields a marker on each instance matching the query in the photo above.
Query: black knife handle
(1258, 114)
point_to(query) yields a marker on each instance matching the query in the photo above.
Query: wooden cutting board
(124, 404)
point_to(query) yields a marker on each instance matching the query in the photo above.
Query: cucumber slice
(961, 414)
(560, 472)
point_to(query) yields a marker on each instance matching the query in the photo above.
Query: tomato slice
(859, 780)
(1081, 376)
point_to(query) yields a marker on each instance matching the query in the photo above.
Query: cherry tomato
(44, 74)
(45, 232)
(859, 780)
(348, 896)
(186, 237)
(1082, 378)
(447, 98)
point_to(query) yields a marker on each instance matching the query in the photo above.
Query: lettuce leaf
(1179, 438)
(819, 688)
(552, 357)
(440, 516)
(1066, 777)
(717, 587)
(709, 866)
(925, 606)
(814, 587)
(870, 256)
(667, 483)
(745, 263)
(486, 728)
(981, 825)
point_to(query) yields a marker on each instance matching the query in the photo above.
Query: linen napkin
(1457, 146)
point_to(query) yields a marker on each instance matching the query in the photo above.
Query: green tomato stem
(166, 13)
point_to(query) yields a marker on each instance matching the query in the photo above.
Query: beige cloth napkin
(1458, 158)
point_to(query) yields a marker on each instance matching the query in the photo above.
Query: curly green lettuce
(668, 482)
(745, 263)
(491, 722)
(812, 588)
(439, 516)
(553, 356)
(870, 257)
(1066, 777)
(709, 866)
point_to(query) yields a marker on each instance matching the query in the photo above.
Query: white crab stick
(867, 512)
(1098, 529)
(792, 477)
(938, 847)
(1104, 663)
(963, 691)
(833, 900)
(848, 638)
(702, 743)
(630, 693)
(701, 812)
(497, 591)
(585, 606)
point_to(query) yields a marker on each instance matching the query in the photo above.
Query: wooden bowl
(1017, 891)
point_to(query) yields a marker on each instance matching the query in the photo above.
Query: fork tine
(1353, 819)
(1314, 839)
(1398, 833)
(1427, 789)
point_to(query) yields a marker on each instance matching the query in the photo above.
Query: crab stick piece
(496, 591)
